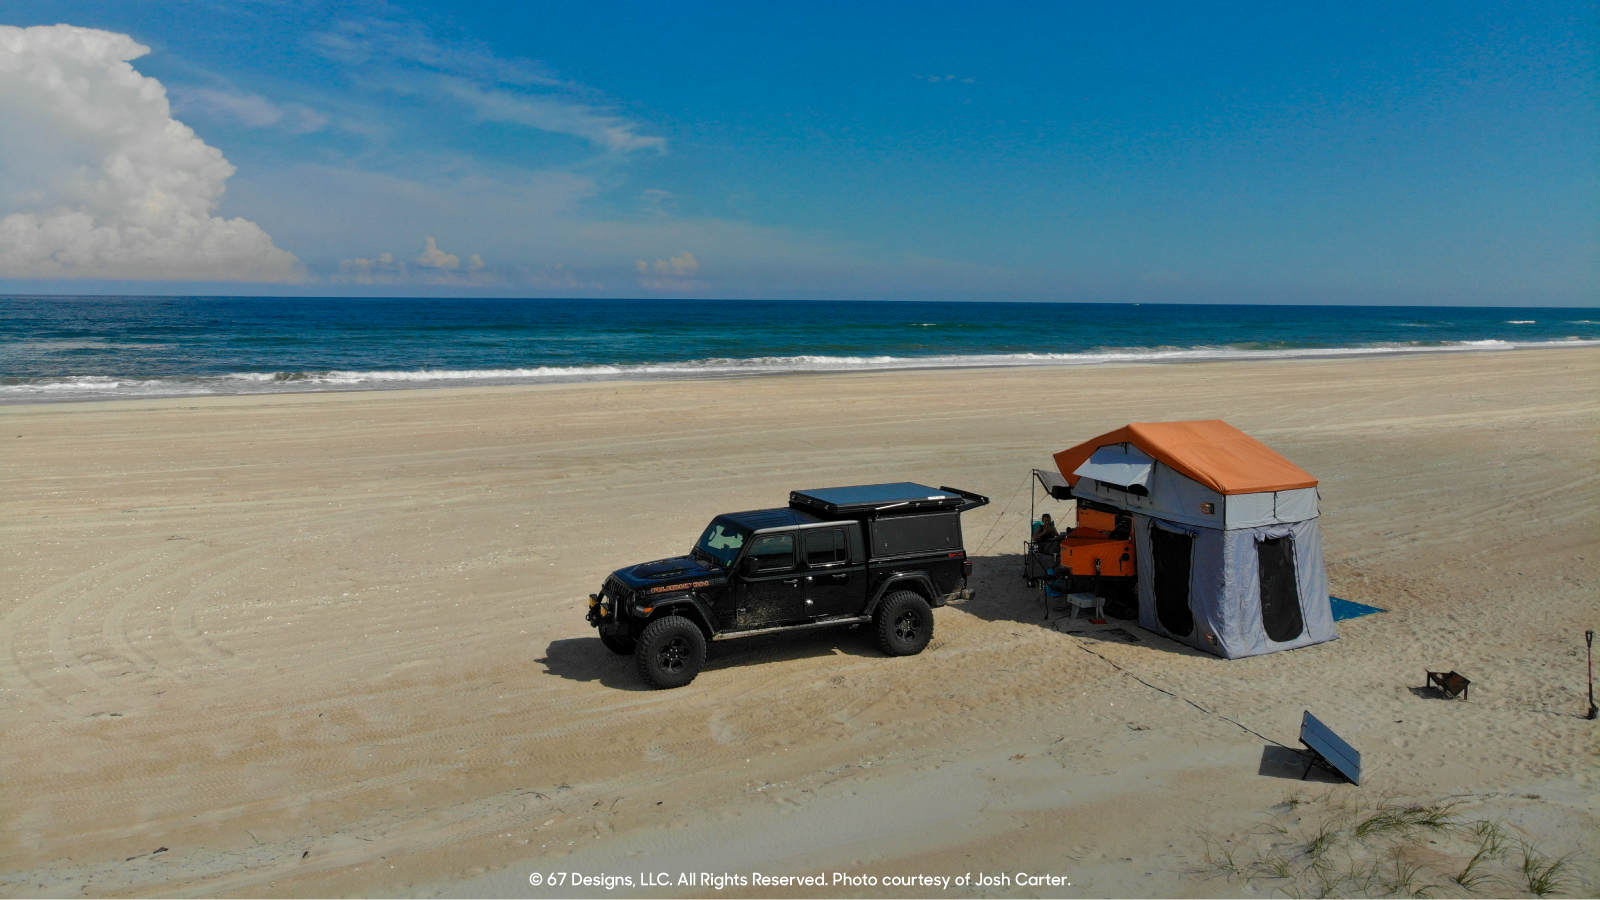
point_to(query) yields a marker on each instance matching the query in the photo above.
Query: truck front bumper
(599, 609)
(607, 615)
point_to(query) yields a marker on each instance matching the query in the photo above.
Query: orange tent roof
(1211, 452)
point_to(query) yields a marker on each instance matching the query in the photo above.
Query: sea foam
(105, 387)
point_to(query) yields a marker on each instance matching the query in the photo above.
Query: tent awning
(1053, 483)
(1123, 465)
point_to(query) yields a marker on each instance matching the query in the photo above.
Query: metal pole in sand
(1594, 712)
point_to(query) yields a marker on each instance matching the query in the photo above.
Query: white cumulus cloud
(97, 180)
(436, 267)
(434, 258)
(382, 269)
(675, 274)
(682, 265)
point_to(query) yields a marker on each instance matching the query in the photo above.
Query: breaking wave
(101, 387)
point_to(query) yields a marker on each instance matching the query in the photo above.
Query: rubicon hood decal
(678, 570)
(679, 587)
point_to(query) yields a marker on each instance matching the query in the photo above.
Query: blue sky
(1354, 153)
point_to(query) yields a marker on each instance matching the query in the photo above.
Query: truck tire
(904, 623)
(670, 652)
(619, 646)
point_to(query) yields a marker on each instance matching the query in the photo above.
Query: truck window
(773, 552)
(824, 548)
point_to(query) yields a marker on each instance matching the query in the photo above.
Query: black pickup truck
(879, 553)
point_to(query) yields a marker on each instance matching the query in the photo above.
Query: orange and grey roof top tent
(1210, 451)
(1227, 533)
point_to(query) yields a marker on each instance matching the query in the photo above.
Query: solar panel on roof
(862, 497)
(878, 493)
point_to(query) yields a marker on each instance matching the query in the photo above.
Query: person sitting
(1046, 529)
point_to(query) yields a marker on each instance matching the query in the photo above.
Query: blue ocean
(58, 348)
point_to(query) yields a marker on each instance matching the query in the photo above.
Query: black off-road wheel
(670, 652)
(619, 646)
(904, 623)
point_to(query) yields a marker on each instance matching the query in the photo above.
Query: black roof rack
(885, 499)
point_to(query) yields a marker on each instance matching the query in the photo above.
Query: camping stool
(1087, 601)
(1450, 684)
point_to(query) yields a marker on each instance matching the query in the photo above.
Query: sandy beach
(333, 644)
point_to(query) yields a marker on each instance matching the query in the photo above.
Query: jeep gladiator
(884, 554)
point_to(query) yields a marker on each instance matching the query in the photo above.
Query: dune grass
(1335, 845)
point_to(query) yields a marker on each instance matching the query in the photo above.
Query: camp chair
(1055, 584)
(1450, 684)
(1052, 589)
(1040, 558)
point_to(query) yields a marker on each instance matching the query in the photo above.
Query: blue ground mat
(1349, 609)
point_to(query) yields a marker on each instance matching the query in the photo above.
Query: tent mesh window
(1171, 552)
(1280, 591)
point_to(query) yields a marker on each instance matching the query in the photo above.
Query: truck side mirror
(750, 565)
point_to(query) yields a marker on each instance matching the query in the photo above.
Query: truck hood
(664, 575)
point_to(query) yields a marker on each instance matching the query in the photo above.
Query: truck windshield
(722, 542)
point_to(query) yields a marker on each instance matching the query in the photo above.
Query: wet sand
(333, 644)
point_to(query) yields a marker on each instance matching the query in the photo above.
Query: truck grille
(617, 591)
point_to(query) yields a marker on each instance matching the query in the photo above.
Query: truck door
(769, 582)
(834, 584)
